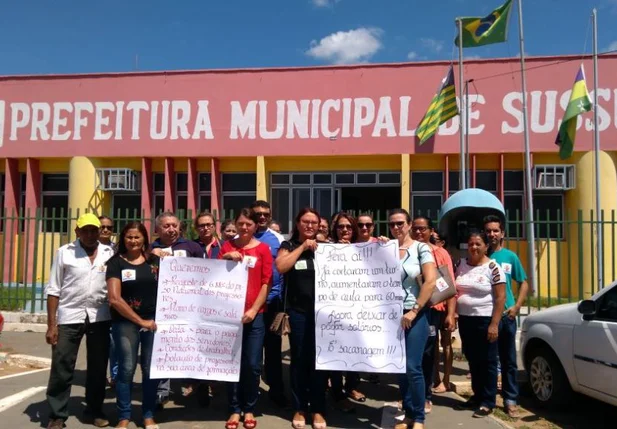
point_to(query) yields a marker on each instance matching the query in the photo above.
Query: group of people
(98, 287)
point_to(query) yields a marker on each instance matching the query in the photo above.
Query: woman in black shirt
(132, 281)
(295, 261)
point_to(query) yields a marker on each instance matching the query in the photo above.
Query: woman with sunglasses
(345, 230)
(366, 227)
(416, 259)
(206, 228)
(295, 261)
(440, 316)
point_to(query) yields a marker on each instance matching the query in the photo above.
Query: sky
(88, 36)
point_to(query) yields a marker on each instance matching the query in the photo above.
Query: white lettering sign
(199, 308)
(358, 308)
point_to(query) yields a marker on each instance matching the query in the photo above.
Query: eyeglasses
(263, 214)
(367, 225)
(396, 224)
(309, 222)
(205, 225)
(343, 226)
(108, 228)
(419, 228)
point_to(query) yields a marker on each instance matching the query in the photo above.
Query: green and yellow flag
(478, 31)
(580, 102)
(442, 108)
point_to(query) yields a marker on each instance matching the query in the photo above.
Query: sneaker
(482, 412)
(55, 424)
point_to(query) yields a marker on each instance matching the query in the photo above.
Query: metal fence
(566, 251)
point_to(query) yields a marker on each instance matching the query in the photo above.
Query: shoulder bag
(445, 288)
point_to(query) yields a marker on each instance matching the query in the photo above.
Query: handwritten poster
(199, 308)
(358, 308)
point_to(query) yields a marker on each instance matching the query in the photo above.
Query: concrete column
(192, 191)
(216, 196)
(405, 181)
(83, 193)
(11, 224)
(584, 198)
(262, 179)
(170, 185)
(147, 199)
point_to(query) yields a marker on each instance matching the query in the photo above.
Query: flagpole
(463, 114)
(596, 139)
(531, 239)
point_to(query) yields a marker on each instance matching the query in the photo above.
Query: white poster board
(358, 308)
(199, 307)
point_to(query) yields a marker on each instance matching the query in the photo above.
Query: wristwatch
(416, 307)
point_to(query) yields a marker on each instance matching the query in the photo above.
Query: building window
(239, 191)
(548, 216)
(55, 200)
(426, 193)
(158, 193)
(182, 187)
(487, 180)
(204, 191)
(513, 203)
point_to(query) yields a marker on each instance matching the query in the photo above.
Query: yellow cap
(88, 219)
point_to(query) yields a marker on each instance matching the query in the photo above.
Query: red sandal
(232, 424)
(250, 423)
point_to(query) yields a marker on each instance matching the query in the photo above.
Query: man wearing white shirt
(77, 304)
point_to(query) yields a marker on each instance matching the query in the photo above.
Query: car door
(595, 347)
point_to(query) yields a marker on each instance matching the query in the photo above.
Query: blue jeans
(128, 337)
(428, 359)
(113, 358)
(507, 356)
(482, 358)
(308, 386)
(411, 383)
(242, 396)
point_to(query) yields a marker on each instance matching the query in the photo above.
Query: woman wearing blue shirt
(416, 259)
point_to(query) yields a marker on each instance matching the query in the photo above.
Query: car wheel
(547, 378)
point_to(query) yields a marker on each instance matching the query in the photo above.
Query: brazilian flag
(442, 107)
(580, 102)
(493, 28)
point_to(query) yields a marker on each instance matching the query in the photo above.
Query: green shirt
(513, 269)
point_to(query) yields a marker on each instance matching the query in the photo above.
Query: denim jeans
(63, 358)
(411, 383)
(113, 358)
(482, 358)
(127, 337)
(507, 357)
(308, 386)
(273, 361)
(428, 359)
(242, 396)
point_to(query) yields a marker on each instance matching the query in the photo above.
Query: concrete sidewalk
(379, 411)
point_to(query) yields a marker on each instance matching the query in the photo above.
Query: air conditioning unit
(554, 177)
(117, 179)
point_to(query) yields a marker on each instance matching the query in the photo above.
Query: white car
(573, 347)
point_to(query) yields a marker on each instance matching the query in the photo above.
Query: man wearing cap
(77, 305)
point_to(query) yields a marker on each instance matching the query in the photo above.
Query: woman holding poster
(132, 282)
(416, 258)
(258, 259)
(295, 261)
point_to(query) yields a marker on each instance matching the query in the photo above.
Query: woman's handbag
(445, 288)
(280, 325)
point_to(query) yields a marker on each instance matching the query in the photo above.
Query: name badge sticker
(102, 269)
(301, 265)
(441, 284)
(250, 261)
(180, 253)
(507, 268)
(128, 275)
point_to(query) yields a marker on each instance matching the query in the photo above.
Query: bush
(13, 298)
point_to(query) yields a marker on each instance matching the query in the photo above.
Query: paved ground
(378, 412)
